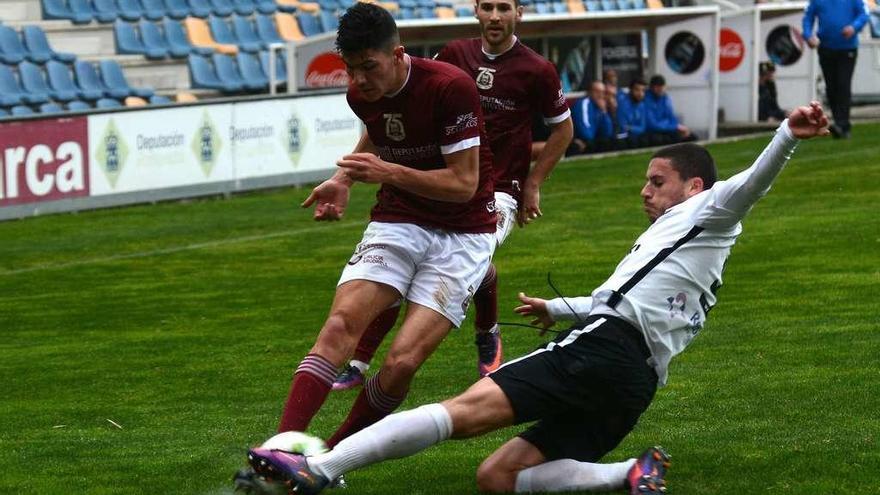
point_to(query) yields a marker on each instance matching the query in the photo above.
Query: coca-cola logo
(327, 70)
(732, 50)
(43, 160)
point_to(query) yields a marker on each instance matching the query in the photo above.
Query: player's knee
(493, 478)
(401, 366)
(338, 332)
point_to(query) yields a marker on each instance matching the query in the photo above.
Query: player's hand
(813, 41)
(366, 167)
(808, 122)
(848, 32)
(330, 199)
(683, 130)
(536, 308)
(530, 209)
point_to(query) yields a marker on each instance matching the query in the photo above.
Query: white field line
(172, 250)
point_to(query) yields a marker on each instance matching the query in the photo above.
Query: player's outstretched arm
(330, 197)
(558, 141)
(808, 121)
(535, 307)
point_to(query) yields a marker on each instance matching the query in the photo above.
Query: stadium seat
(464, 11)
(655, 4)
(624, 5)
(223, 8)
(288, 27)
(21, 110)
(33, 82)
(639, 4)
(113, 77)
(154, 10)
(426, 13)
(298, 6)
(329, 21)
(3, 112)
(134, 101)
(51, 107)
(176, 9)
(203, 75)
(61, 81)
(108, 103)
(266, 30)
(200, 8)
(409, 4)
(608, 5)
(160, 100)
(154, 41)
(178, 41)
(78, 106)
(444, 12)
(280, 66)
(543, 8)
(10, 92)
(576, 7)
(105, 10)
(329, 5)
(347, 4)
(244, 32)
(228, 71)
(185, 97)
(223, 34)
(88, 80)
(199, 35)
(12, 51)
(38, 48)
(559, 8)
(265, 6)
(406, 13)
(309, 24)
(130, 10)
(128, 42)
(593, 5)
(244, 7)
(252, 71)
(82, 8)
(57, 9)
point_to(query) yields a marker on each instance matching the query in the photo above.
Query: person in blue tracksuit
(663, 125)
(631, 115)
(593, 129)
(837, 39)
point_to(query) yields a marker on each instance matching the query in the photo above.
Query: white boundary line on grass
(170, 250)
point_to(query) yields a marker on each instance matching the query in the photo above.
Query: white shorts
(505, 210)
(431, 267)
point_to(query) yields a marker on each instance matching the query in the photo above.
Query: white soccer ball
(296, 442)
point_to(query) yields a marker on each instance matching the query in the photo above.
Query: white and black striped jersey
(666, 285)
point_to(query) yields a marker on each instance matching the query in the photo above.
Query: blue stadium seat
(266, 30)
(329, 5)
(11, 49)
(559, 8)
(406, 13)
(61, 81)
(105, 10)
(222, 8)
(200, 8)
(177, 40)
(177, 9)
(266, 6)
(624, 5)
(153, 9)
(22, 110)
(222, 34)
(251, 71)
(113, 77)
(82, 8)
(10, 92)
(203, 75)
(153, 39)
(592, 5)
(244, 31)
(129, 43)
(51, 107)
(244, 7)
(329, 21)
(78, 106)
(3, 113)
(228, 72)
(347, 4)
(160, 100)
(280, 65)
(609, 5)
(427, 4)
(38, 47)
(425, 13)
(408, 4)
(57, 9)
(108, 103)
(639, 4)
(543, 8)
(88, 80)
(308, 24)
(464, 11)
(33, 82)
(130, 10)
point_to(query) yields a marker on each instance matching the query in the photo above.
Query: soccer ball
(296, 442)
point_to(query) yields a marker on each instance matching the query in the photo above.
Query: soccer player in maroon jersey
(431, 233)
(514, 84)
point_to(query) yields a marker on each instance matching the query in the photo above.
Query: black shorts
(587, 389)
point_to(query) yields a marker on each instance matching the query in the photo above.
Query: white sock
(397, 435)
(569, 475)
(360, 365)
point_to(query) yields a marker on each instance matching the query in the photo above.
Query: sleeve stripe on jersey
(461, 145)
(615, 298)
(559, 118)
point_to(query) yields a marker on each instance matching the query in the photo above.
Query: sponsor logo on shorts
(468, 299)
(360, 254)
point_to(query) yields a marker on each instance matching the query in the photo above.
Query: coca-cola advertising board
(43, 160)
(327, 70)
(732, 50)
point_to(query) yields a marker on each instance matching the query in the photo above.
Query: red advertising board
(43, 160)
(327, 70)
(732, 50)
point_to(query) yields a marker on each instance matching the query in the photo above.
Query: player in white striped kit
(587, 388)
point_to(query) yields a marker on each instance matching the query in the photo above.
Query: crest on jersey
(485, 78)
(394, 126)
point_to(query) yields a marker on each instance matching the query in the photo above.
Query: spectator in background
(838, 43)
(663, 125)
(631, 115)
(611, 104)
(768, 107)
(593, 130)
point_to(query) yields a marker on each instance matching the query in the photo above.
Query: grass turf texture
(182, 323)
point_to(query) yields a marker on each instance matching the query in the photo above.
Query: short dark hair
(658, 80)
(366, 26)
(636, 81)
(690, 160)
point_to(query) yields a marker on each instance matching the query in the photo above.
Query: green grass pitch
(182, 323)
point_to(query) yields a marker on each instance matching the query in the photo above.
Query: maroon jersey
(437, 112)
(514, 86)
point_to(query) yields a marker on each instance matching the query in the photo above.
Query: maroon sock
(371, 405)
(486, 302)
(375, 333)
(311, 384)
